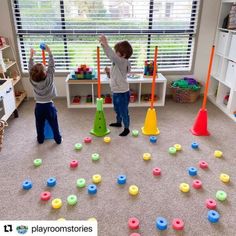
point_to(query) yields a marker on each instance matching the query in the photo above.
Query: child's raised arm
(31, 59)
(108, 50)
(51, 63)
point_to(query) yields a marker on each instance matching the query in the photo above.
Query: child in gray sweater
(118, 80)
(44, 91)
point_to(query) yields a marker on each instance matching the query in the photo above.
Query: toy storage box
(186, 90)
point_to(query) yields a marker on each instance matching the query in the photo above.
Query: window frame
(193, 34)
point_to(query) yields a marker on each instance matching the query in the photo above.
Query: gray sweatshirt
(44, 91)
(119, 69)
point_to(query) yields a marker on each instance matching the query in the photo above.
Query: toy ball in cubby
(161, 223)
(95, 156)
(108, 99)
(195, 145)
(210, 204)
(45, 196)
(133, 96)
(218, 153)
(87, 140)
(133, 223)
(147, 156)
(72, 200)
(172, 150)
(133, 190)
(135, 133)
(213, 216)
(56, 203)
(153, 139)
(224, 178)
(178, 147)
(156, 171)
(197, 184)
(203, 164)
(89, 98)
(121, 179)
(27, 185)
(78, 146)
(92, 189)
(184, 187)
(37, 162)
(74, 164)
(107, 139)
(192, 171)
(81, 183)
(221, 195)
(51, 182)
(177, 224)
(97, 179)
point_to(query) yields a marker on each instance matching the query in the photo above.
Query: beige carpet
(112, 206)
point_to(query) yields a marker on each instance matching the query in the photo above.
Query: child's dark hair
(37, 73)
(124, 48)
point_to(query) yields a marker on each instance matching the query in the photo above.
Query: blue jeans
(46, 111)
(121, 103)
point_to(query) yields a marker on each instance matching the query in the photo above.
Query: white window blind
(71, 28)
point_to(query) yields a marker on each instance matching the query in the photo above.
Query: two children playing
(44, 88)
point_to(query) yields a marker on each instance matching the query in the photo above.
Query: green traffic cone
(99, 127)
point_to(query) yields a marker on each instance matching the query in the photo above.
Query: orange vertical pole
(98, 72)
(208, 78)
(43, 57)
(154, 76)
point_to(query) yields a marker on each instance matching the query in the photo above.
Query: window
(169, 8)
(72, 27)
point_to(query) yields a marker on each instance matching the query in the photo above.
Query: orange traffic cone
(200, 125)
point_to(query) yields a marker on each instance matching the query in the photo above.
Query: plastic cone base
(200, 125)
(150, 124)
(48, 134)
(99, 128)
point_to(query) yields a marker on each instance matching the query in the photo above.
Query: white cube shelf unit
(140, 86)
(222, 91)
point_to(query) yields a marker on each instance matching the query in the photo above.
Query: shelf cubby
(222, 89)
(138, 85)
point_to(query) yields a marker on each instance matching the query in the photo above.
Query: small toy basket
(186, 90)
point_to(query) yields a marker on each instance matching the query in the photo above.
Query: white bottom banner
(48, 228)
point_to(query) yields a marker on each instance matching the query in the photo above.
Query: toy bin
(185, 90)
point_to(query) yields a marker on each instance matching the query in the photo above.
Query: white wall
(207, 29)
(207, 26)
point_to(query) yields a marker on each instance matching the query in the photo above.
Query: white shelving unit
(223, 77)
(141, 86)
(9, 70)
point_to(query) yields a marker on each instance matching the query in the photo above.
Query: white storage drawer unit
(8, 97)
(230, 77)
(222, 43)
(232, 49)
(222, 89)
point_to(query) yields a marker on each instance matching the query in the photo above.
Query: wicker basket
(3, 124)
(184, 95)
